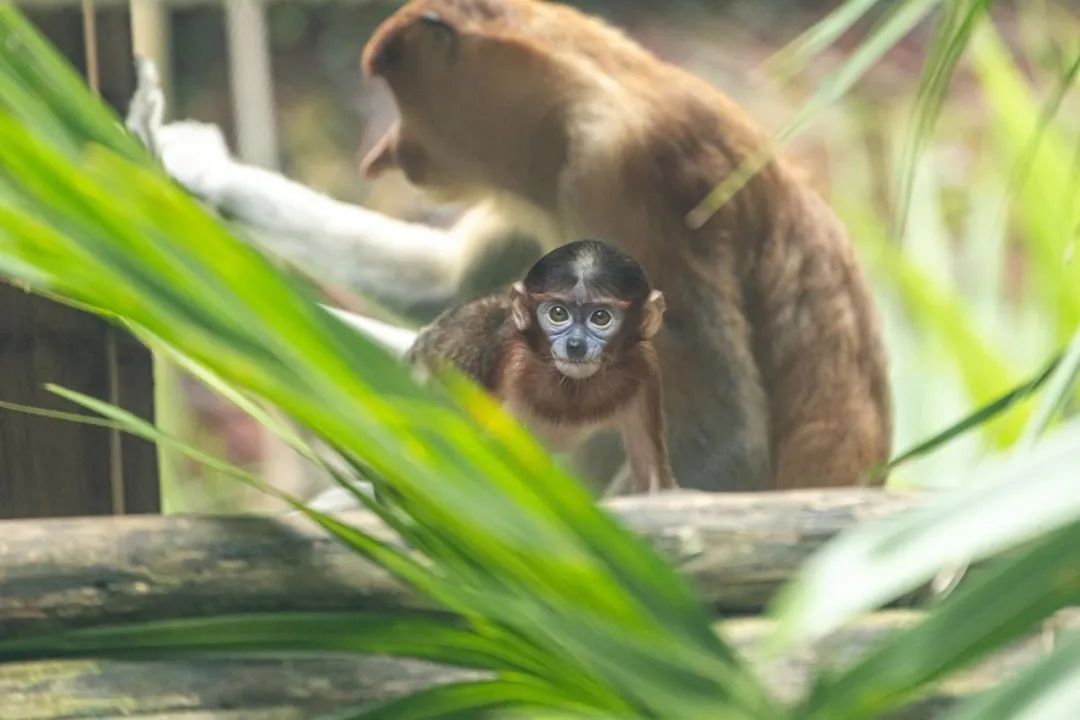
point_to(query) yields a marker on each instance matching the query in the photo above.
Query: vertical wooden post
(53, 467)
(150, 38)
(252, 82)
(251, 76)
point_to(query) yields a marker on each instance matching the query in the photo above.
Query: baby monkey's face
(578, 333)
(585, 304)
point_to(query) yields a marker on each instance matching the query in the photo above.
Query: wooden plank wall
(50, 467)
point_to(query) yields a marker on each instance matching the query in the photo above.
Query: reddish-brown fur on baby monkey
(568, 353)
(773, 367)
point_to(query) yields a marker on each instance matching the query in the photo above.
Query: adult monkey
(555, 123)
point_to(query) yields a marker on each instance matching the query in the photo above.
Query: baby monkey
(568, 353)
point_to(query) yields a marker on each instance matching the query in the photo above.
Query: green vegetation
(971, 239)
(541, 586)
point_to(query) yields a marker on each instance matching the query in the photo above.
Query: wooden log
(265, 689)
(737, 548)
(209, 687)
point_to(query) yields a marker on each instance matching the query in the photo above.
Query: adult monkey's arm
(411, 268)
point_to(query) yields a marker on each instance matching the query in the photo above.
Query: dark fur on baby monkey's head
(584, 303)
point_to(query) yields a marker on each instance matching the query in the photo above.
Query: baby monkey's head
(585, 303)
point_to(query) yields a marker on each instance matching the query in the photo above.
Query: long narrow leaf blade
(880, 561)
(955, 28)
(459, 701)
(1060, 389)
(273, 633)
(902, 17)
(980, 416)
(1048, 690)
(1005, 602)
(802, 50)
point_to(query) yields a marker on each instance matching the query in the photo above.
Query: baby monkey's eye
(601, 318)
(558, 314)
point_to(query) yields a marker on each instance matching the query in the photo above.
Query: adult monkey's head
(485, 91)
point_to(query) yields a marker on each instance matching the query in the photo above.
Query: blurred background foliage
(970, 243)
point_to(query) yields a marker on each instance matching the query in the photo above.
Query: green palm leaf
(1049, 690)
(1003, 507)
(1005, 602)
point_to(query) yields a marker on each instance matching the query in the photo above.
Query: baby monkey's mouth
(577, 370)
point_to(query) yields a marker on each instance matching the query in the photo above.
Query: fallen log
(300, 688)
(62, 573)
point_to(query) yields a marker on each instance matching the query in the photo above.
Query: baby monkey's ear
(652, 314)
(522, 308)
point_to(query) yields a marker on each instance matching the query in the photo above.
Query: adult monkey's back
(772, 360)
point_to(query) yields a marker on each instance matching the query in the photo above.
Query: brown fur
(529, 375)
(473, 337)
(481, 339)
(773, 367)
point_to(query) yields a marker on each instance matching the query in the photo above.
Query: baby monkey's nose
(575, 348)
